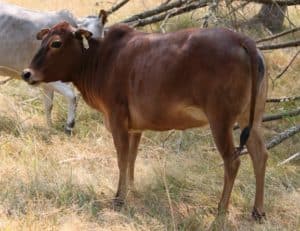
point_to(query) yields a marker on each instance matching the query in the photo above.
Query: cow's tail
(257, 74)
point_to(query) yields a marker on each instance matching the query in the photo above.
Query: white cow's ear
(40, 35)
(103, 16)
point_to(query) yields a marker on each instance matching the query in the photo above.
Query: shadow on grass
(18, 196)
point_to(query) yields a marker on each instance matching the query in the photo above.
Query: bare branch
(181, 10)
(117, 6)
(278, 35)
(161, 8)
(287, 67)
(280, 45)
(279, 2)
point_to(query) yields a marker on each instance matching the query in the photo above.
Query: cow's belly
(177, 116)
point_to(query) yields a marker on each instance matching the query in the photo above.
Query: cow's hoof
(260, 217)
(118, 204)
(68, 131)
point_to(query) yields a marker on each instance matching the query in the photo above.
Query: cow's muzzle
(27, 76)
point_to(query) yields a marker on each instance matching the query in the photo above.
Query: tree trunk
(272, 16)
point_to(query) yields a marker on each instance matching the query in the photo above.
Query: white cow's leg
(67, 91)
(48, 102)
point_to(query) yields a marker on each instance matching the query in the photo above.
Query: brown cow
(179, 80)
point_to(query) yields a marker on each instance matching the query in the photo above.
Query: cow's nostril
(26, 75)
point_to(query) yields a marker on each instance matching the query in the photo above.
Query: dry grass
(49, 181)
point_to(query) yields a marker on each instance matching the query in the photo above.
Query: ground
(49, 181)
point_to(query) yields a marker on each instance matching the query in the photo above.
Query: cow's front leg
(68, 92)
(48, 102)
(120, 135)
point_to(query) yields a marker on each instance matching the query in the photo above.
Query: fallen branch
(283, 136)
(278, 35)
(117, 6)
(278, 138)
(278, 116)
(280, 45)
(287, 66)
(282, 99)
(295, 156)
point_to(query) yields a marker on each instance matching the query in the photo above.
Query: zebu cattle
(179, 80)
(18, 29)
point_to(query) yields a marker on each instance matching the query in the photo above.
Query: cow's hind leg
(257, 150)
(134, 140)
(222, 133)
(48, 102)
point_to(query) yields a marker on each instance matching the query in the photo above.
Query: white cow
(18, 29)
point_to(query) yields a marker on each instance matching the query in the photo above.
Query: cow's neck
(88, 78)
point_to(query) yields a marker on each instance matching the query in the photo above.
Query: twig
(280, 45)
(117, 6)
(6, 80)
(287, 66)
(73, 159)
(7, 71)
(282, 99)
(289, 159)
(163, 24)
(278, 35)
(283, 13)
(168, 194)
(235, 9)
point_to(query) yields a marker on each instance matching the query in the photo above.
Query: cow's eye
(56, 44)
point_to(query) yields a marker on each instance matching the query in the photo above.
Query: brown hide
(179, 80)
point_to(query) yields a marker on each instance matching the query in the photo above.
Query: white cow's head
(94, 24)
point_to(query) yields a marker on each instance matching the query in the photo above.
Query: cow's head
(59, 56)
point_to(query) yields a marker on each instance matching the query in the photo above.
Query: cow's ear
(80, 33)
(103, 16)
(40, 35)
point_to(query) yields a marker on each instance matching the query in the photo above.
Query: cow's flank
(179, 80)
